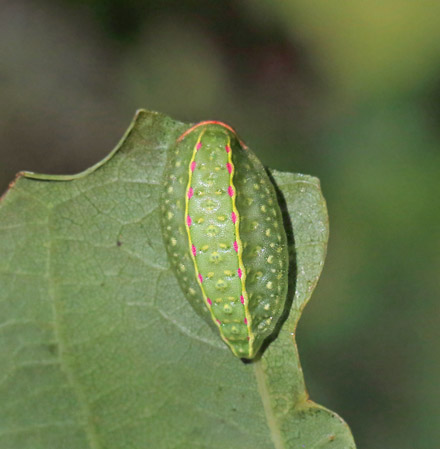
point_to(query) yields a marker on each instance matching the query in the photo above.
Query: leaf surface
(98, 346)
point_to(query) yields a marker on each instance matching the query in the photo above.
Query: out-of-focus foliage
(347, 91)
(366, 48)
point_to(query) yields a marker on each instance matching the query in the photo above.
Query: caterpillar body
(224, 235)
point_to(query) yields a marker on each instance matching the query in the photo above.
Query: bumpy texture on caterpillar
(224, 235)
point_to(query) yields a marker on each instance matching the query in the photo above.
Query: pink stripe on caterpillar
(236, 246)
(199, 145)
(242, 299)
(188, 220)
(231, 191)
(234, 217)
(227, 148)
(229, 167)
(218, 321)
(190, 192)
(240, 274)
(194, 250)
(208, 122)
(193, 165)
(245, 321)
(209, 301)
(200, 278)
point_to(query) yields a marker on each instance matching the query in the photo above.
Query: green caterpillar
(224, 235)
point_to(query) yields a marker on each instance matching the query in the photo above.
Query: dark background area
(346, 91)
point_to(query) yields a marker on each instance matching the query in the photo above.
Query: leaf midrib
(272, 423)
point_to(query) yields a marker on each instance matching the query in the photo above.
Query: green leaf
(98, 346)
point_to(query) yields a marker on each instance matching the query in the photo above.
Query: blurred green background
(348, 91)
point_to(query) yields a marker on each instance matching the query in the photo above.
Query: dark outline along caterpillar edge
(224, 235)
